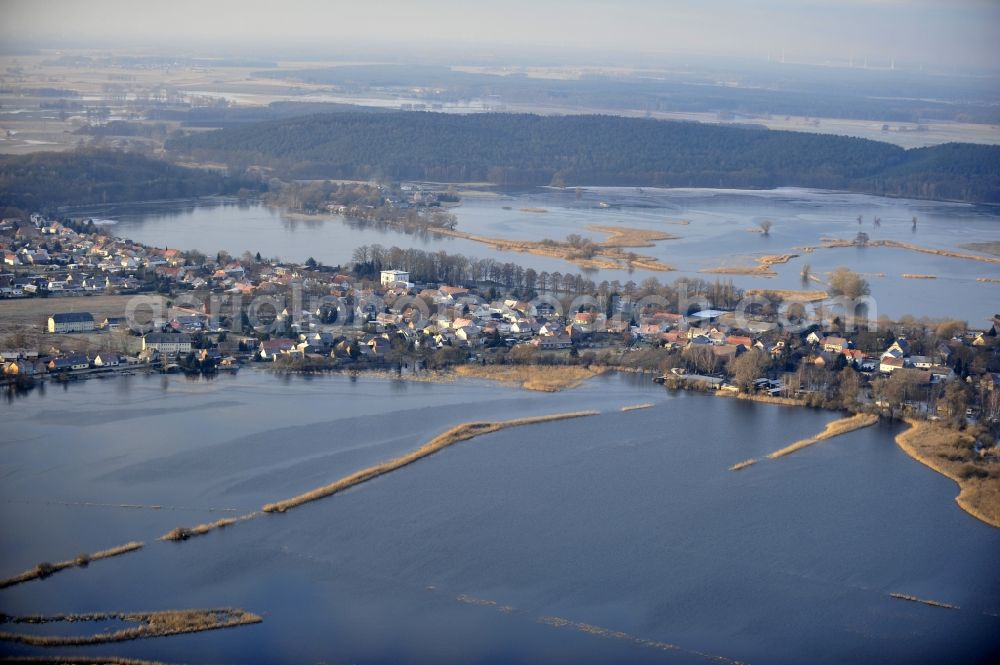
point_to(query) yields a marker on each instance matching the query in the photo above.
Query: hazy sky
(952, 32)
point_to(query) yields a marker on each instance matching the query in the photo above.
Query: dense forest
(46, 180)
(520, 149)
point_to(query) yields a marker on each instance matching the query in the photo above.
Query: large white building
(390, 277)
(167, 342)
(71, 322)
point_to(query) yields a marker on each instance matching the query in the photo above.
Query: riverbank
(952, 454)
(763, 398)
(541, 378)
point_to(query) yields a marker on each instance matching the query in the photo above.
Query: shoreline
(763, 399)
(533, 377)
(539, 378)
(927, 443)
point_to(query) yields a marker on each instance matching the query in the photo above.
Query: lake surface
(499, 549)
(715, 228)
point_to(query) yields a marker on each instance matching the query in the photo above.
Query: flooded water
(618, 538)
(714, 227)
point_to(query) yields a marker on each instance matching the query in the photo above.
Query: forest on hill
(524, 150)
(46, 180)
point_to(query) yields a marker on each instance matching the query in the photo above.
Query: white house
(107, 360)
(889, 364)
(390, 277)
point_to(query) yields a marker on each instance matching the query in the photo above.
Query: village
(168, 310)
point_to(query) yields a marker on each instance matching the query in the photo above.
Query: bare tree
(806, 274)
(991, 406)
(765, 227)
(850, 388)
(701, 357)
(844, 282)
(749, 367)
(955, 401)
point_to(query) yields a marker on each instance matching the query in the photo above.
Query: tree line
(47, 180)
(528, 150)
(457, 269)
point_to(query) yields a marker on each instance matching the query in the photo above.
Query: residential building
(167, 343)
(67, 322)
(390, 277)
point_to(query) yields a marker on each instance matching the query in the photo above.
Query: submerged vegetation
(835, 428)
(149, 624)
(924, 601)
(832, 243)
(832, 429)
(45, 569)
(744, 464)
(591, 629)
(600, 631)
(462, 432)
(78, 660)
(183, 533)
